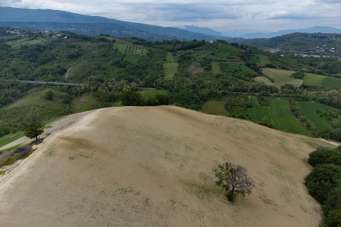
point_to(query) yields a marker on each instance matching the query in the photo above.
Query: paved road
(54, 83)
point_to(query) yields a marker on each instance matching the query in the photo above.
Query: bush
(159, 99)
(132, 98)
(49, 95)
(333, 218)
(325, 156)
(334, 200)
(323, 180)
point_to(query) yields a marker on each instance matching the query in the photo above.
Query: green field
(319, 116)
(214, 107)
(170, 67)
(278, 115)
(281, 77)
(315, 80)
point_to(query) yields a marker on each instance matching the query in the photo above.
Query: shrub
(333, 218)
(49, 95)
(323, 180)
(234, 180)
(325, 156)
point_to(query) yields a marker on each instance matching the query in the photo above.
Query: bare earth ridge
(153, 166)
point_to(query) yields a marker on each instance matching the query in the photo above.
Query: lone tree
(33, 128)
(234, 180)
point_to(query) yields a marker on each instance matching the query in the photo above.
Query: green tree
(33, 128)
(234, 180)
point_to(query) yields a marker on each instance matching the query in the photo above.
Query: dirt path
(153, 167)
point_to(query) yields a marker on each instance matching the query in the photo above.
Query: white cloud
(219, 14)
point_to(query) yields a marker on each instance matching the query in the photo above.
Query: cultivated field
(281, 77)
(315, 80)
(154, 167)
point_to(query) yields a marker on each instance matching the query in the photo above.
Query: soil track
(153, 166)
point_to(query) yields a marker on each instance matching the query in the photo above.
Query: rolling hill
(302, 44)
(53, 20)
(216, 77)
(154, 167)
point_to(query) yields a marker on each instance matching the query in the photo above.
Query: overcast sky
(223, 15)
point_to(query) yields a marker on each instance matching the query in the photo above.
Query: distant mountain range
(53, 20)
(203, 30)
(317, 29)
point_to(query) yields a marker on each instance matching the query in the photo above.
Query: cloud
(294, 17)
(184, 12)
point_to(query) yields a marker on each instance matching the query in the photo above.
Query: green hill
(216, 77)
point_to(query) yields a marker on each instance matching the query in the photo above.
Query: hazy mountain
(54, 20)
(203, 30)
(317, 29)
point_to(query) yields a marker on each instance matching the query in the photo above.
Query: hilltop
(153, 166)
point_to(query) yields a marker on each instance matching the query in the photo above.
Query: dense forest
(290, 93)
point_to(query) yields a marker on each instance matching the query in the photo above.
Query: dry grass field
(153, 166)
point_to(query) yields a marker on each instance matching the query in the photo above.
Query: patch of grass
(216, 68)
(315, 80)
(263, 60)
(170, 67)
(195, 68)
(264, 80)
(282, 77)
(84, 103)
(10, 138)
(203, 191)
(214, 107)
(150, 93)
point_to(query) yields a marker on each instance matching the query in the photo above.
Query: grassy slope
(84, 103)
(282, 77)
(214, 107)
(13, 116)
(10, 138)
